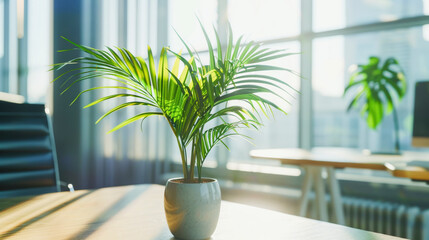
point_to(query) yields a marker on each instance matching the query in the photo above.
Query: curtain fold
(137, 153)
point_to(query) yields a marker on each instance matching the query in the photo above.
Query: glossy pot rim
(174, 181)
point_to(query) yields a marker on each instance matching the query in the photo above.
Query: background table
(319, 159)
(137, 212)
(412, 172)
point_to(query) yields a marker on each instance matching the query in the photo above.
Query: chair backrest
(28, 162)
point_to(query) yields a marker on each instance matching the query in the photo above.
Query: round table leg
(337, 202)
(305, 191)
(322, 207)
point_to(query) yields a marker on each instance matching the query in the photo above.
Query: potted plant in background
(203, 103)
(377, 84)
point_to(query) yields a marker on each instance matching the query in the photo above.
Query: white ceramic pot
(192, 209)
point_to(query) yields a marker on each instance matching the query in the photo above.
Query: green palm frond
(228, 92)
(148, 86)
(234, 85)
(213, 136)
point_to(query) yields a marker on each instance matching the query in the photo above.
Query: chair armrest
(69, 186)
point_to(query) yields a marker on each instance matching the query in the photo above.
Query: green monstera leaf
(377, 84)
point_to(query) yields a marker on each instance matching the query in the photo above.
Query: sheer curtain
(137, 153)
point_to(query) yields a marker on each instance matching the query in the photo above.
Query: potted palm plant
(377, 85)
(203, 103)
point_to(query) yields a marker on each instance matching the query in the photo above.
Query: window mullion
(305, 109)
(222, 154)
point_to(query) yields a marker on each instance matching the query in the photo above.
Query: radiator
(389, 218)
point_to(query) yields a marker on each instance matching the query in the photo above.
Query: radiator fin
(389, 218)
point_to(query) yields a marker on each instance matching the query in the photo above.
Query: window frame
(305, 134)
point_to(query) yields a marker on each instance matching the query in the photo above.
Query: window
(2, 34)
(281, 130)
(334, 14)
(39, 50)
(333, 36)
(332, 125)
(268, 21)
(183, 19)
(26, 48)
(391, 28)
(8, 47)
(264, 20)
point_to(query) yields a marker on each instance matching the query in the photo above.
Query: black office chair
(28, 161)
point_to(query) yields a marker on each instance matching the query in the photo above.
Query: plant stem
(183, 156)
(192, 165)
(182, 152)
(199, 156)
(396, 124)
(199, 165)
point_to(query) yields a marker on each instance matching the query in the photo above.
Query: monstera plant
(204, 103)
(378, 86)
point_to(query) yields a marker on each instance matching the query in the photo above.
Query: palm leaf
(193, 97)
(135, 118)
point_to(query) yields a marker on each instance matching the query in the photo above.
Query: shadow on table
(40, 216)
(114, 209)
(12, 202)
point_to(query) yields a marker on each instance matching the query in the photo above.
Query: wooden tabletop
(404, 171)
(336, 157)
(137, 212)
